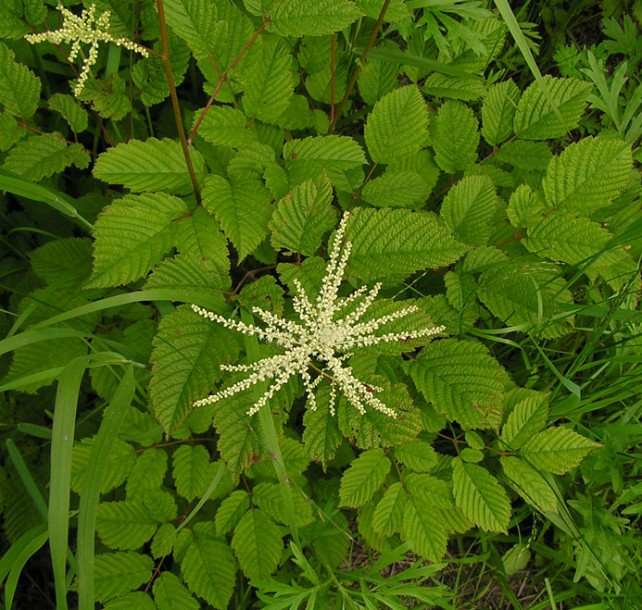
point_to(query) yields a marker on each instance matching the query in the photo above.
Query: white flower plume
(84, 29)
(320, 341)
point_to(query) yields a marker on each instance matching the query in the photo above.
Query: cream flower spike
(322, 336)
(84, 29)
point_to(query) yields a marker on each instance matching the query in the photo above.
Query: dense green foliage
(483, 197)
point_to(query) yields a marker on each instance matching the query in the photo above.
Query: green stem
(359, 65)
(175, 105)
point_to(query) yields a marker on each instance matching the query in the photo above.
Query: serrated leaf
(527, 296)
(307, 158)
(311, 17)
(195, 21)
(529, 484)
(199, 235)
(209, 569)
(455, 136)
(398, 242)
(64, 263)
(376, 79)
(188, 271)
(191, 470)
(269, 498)
(527, 418)
(188, 352)
(498, 112)
(417, 455)
(268, 82)
(124, 525)
(364, 477)
(536, 119)
(152, 165)
(39, 157)
(321, 436)
(468, 209)
(119, 573)
(242, 208)
(588, 175)
(397, 189)
(147, 474)
(525, 206)
(164, 541)
(109, 97)
(120, 462)
(132, 235)
(388, 514)
(19, 87)
(397, 125)
(480, 496)
(230, 511)
(425, 531)
(525, 154)
(257, 545)
(131, 601)
(556, 450)
(463, 381)
(75, 115)
(171, 594)
(454, 87)
(225, 126)
(303, 216)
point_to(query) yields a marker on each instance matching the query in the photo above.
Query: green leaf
(455, 137)
(19, 87)
(527, 418)
(119, 573)
(462, 381)
(209, 569)
(199, 235)
(124, 525)
(64, 263)
(303, 217)
(225, 126)
(588, 175)
(109, 97)
(164, 541)
(132, 235)
(364, 477)
(397, 125)
(498, 112)
(311, 17)
(152, 165)
(397, 189)
(120, 462)
(187, 272)
(526, 296)
(70, 110)
(454, 87)
(322, 436)
(39, 157)
(195, 21)
(556, 450)
(188, 353)
(480, 497)
(230, 511)
(525, 206)
(398, 242)
(191, 471)
(269, 498)
(242, 208)
(388, 514)
(171, 594)
(307, 158)
(468, 209)
(424, 530)
(257, 544)
(131, 601)
(525, 154)
(376, 79)
(268, 82)
(536, 119)
(529, 484)
(417, 455)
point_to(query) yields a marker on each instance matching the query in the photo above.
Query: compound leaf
(75, 115)
(364, 477)
(557, 450)
(455, 137)
(529, 483)
(119, 573)
(425, 530)
(257, 544)
(171, 594)
(498, 112)
(124, 525)
(312, 17)
(191, 471)
(230, 511)
(527, 418)
(19, 87)
(388, 515)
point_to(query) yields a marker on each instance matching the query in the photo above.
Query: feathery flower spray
(321, 340)
(84, 29)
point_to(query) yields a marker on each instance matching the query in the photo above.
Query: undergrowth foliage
(213, 164)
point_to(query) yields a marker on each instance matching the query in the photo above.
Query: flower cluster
(320, 341)
(84, 29)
